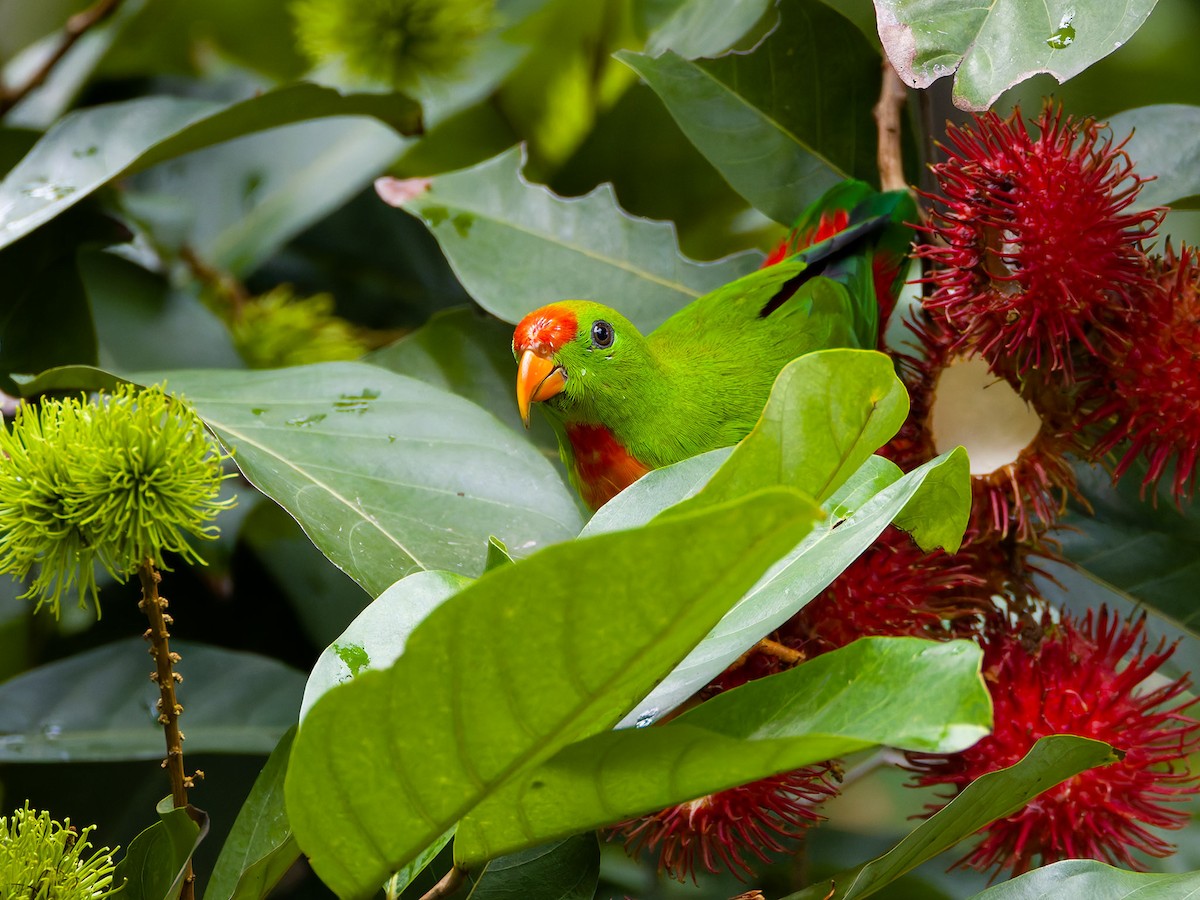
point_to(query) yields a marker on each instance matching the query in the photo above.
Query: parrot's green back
(623, 403)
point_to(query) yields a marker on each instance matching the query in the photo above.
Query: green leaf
(90, 147)
(827, 413)
(260, 847)
(993, 796)
(387, 475)
(143, 323)
(407, 873)
(695, 28)
(527, 659)
(1165, 149)
(234, 703)
(515, 246)
(154, 866)
(1150, 550)
(875, 691)
(564, 870)
(812, 565)
(376, 638)
(237, 203)
(1096, 881)
(993, 46)
(786, 121)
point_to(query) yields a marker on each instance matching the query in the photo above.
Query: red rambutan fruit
(721, 829)
(893, 589)
(1032, 240)
(1146, 398)
(1016, 431)
(1098, 679)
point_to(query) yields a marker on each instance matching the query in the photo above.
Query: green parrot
(623, 403)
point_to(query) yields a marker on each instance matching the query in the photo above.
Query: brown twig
(169, 710)
(892, 97)
(222, 282)
(77, 26)
(450, 883)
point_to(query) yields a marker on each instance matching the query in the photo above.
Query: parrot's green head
(578, 357)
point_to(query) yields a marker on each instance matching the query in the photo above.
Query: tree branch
(892, 97)
(77, 26)
(450, 883)
(169, 709)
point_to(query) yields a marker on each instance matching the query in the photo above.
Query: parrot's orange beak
(538, 378)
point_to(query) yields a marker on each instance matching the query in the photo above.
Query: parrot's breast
(603, 468)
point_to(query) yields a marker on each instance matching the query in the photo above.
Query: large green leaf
(100, 705)
(786, 121)
(386, 474)
(527, 659)
(154, 866)
(564, 870)
(260, 847)
(1165, 149)
(91, 147)
(376, 638)
(993, 796)
(875, 691)
(515, 246)
(1096, 881)
(993, 46)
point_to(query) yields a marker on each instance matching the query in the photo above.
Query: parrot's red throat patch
(603, 466)
(545, 330)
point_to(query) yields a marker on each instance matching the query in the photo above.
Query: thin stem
(77, 26)
(450, 883)
(169, 710)
(892, 97)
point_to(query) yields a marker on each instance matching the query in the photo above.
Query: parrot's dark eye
(602, 334)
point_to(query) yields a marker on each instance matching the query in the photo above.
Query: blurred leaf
(989, 48)
(101, 705)
(1096, 881)
(469, 353)
(1165, 149)
(143, 323)
(992, 796)
(512, 668)
(16, 621)
(154, 866)
(515, 246)
(695, 28)
(376, 638)
(786, 121)
(387, 475)
(1147, 548)
(90, 147)
(324, 598)
(55, 95)
(554, 96)
(564, 870)
(45, 320)
(260, 847)
(875, 691)
(237, 203)
(464, 139)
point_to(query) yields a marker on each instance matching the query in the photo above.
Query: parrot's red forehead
(545, 329)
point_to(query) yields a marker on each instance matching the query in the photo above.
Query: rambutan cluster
(1048, 331)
